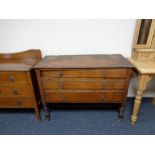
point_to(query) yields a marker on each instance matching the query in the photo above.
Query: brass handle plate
(61, 73)
(104, 73)
(62, 85)
(102, 96)
(18, 103)
(11, 78)
(103, 85)
(62, 97)
(15, 92)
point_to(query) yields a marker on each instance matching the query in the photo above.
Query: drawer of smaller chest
(20, 90)
(82, 84)
(12, 102)
(13, 77)
(84, 97)
(86, 73)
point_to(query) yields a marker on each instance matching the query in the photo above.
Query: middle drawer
(22, 89)
(83, 84)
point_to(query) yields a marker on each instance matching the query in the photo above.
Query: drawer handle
(102, 96)
(15, 92)
(18, 103)
(104, 73)
(62, 86)
(61, 74)
(62, 97)
(11, 79)
(103, 85)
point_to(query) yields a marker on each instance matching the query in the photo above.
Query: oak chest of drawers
(83, 79)
(18, 86)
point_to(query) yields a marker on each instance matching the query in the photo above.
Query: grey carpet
(79, 121)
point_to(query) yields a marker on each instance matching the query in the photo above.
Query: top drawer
(86, 73)
(11, 77)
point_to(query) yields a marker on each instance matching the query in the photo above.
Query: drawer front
(84, 97)
(82, 83)
(12, 102)
(12, 77)
(20, 90)
(86, 73)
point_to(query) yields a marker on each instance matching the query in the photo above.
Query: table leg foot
(121, 114)
(153, 101)
(133, 120)
(47, 113)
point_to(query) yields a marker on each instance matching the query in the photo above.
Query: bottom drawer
(16, 102)
(84, 97)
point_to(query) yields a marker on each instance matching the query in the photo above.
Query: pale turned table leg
(142, 83)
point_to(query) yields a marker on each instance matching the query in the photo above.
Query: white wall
(70, 37)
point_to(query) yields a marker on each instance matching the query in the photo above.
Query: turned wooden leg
(142, 83)
(47, 113)
(137, 103)
(121, 113)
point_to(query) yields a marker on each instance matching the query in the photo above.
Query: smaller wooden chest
(18, 86)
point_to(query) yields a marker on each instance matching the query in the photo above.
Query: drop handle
(11, 79)
(61, 74)
(102, 96)
(15, 92)
(104, 73)
(62, 97)
(18, 103)
(103, 85)
(62, 86)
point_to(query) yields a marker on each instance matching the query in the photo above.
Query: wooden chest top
(84, 61)
(17, 64)
(21, 61)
